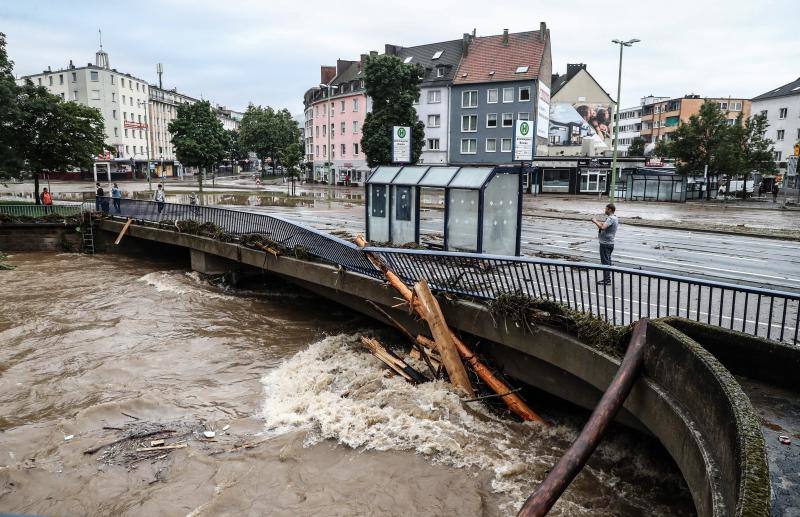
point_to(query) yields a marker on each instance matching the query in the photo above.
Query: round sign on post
(523, 141)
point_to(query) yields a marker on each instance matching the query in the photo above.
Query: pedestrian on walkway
(159, 197)
(98, 200)
(47, 200)
(775, 190)
(606, 231)
(116, 196)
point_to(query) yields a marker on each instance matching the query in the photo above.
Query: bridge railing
(34, 210)
(630, 295)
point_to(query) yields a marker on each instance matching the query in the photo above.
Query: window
(333, 110)
(521, 70)
(116, 131)
(776, 155)
(469, 146)
(62, 95)
(491, 145)
(469, 123)
(469, 99)
(74, 77)
(783, 112)
(343, 149)
(60, 78)
(508, 119)
(123, 99)
(439, 71)
(94, 76)
(524, 93)
(137, 87)
(324, 150)
(50, 80)
(505, 145)
(343, 127)
(508, 94)
(317, 151)
(736, 106)
(112, 79)
(434, 120)
(75, 95)
(95, 95)
(491, 96)
(126, 133)
(764, 112)
(798, 133)
(333, 130)
(114, 114)
(127, 150)
(523, 116)
(438, 54)
(113, 97)
(140, 118)
(491, 120)
(355, 126)
(317, 132)
(355, 149)
(355, 104)
(723, 105)
(408, 59)
(40, 81)
(324, 130)
(434, 96)
(781, 134)
(341, 106)
(316, 111)
(433, 144)
(131, 100)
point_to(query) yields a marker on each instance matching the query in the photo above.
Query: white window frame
(439, 71)
(94, 76)
(434, 94)
(523, 115)
(355, 148)
(341, 105)
(502, 145)
(355, 127)
(780, 134)
(431, 146)
(467, 140)
(496, 96)
(437, 118)
(503, 120)
(343, 127)
(471, 93)
(494, 141)
(509, 90)
(496, 121)
(522, 89)
(355, 105)
(783, 113)
(469, 118)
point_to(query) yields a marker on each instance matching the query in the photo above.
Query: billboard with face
(571, 124)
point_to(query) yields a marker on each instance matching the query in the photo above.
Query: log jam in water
(302, 420)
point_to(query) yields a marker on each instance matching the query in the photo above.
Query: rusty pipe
(571, 463)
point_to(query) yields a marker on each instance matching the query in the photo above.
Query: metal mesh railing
(33, 210)
(630, 294)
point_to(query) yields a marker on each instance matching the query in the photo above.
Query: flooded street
(88, 342)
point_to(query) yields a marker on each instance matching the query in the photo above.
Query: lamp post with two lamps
(622, 44)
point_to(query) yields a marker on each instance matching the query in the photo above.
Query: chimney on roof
(542, 31)
(71, 65)
(574, 68)
(505, 37)
(474, 32)
(392, 50)
(465, 41)
(362, 61)
(373, 53)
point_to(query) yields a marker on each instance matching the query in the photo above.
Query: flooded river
(88, 343)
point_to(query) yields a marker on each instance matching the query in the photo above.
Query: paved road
(743, 260)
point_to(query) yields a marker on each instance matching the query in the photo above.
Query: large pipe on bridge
(571, 463)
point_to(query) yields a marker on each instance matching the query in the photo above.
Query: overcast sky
(268, 52)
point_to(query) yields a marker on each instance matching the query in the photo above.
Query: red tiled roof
(487, 54)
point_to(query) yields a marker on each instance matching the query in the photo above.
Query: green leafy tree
(662, 149)
(750, 150)
(10, 159)
(291, 157)
(703, 140)
(268, 132)
(199, 138)
(393, 87)
(636, 148)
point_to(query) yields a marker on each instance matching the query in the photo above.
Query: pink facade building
(334, 116)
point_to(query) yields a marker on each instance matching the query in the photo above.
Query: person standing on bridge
(116, 197)
(607, 230)
(98, 200)
(47, 200)
(159, 197)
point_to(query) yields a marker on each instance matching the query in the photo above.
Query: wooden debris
(156, 443)
(434, 359)
(122, 232)
(162, 448)
(422, 355)
(132, 437)
(512, 400)
(429, 309)
(392, 361)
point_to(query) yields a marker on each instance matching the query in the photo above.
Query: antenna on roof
(100, 37)
(159, 71)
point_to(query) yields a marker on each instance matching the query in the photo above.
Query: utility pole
(622, 44)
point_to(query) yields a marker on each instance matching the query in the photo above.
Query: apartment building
(781, 106)
(660, 118)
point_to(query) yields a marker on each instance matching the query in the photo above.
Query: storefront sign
(401, 144)
(523, 141)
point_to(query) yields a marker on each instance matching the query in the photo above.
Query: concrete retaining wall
(39, 237)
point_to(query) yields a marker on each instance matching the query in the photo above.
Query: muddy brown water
(84, 340)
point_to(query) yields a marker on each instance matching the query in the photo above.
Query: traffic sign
(401, 144)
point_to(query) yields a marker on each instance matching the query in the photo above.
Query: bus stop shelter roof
(472, 178)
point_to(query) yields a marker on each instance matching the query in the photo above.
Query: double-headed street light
(622, 44)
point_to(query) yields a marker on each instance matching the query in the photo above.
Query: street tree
(393, 87)
(291, 157)
(636, 148)
(750, 150)
(10, 159)
(703, 141)
(662, 149)
(199, 138)
(267, 132)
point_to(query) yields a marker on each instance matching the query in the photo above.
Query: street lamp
(622, 44)
(328, 109)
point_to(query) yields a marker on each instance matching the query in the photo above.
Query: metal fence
(34, 210)
(630, 294)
